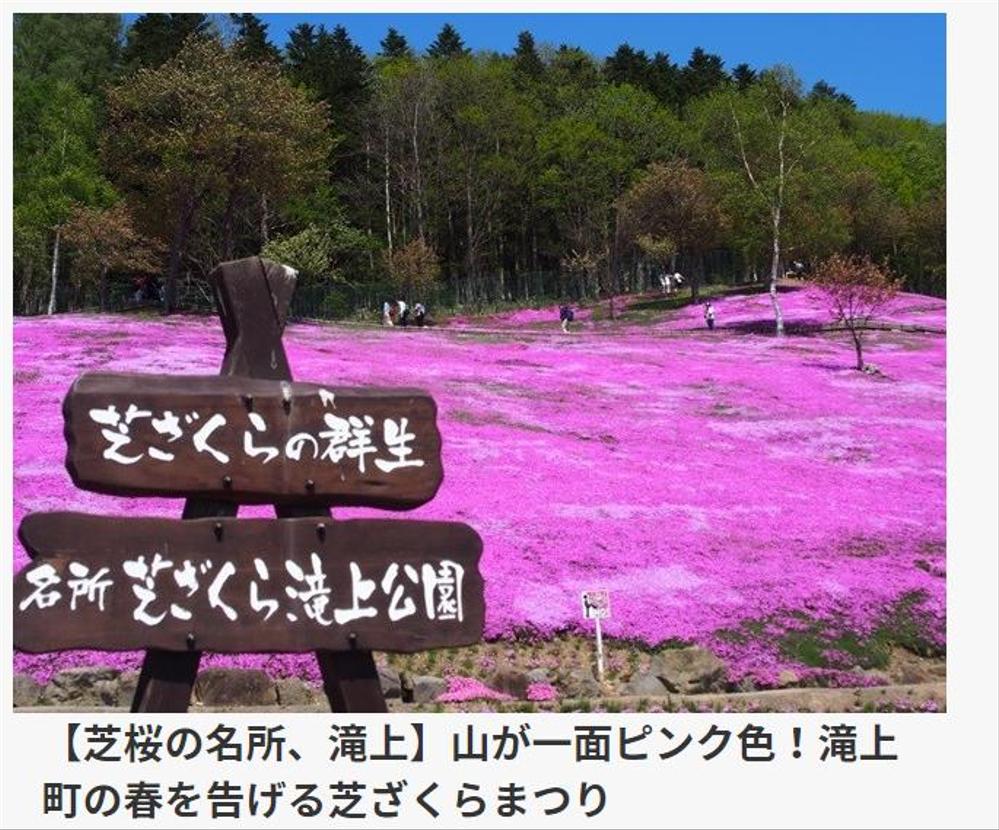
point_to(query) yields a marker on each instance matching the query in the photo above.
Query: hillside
(753, 496)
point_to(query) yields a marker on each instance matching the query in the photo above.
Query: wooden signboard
(252, 441)
(213, 582)
(236, 585)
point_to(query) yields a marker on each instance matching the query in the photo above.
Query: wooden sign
(252, 441)
(210, 581)
(236, 585)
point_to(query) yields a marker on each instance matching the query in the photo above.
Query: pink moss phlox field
(730, 489)
(804, 306)
(521, 317)
(464, 689)
(541, 692)
(801, 306)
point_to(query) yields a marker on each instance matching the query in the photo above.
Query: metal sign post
(596, 607)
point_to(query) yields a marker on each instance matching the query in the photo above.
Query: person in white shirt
(709, 315)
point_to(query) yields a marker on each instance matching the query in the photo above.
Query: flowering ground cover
(753, 496)
(803, 306)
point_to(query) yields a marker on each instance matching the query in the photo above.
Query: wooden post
(166, 679)
(252, 298)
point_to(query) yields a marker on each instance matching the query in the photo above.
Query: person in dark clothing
(566, 315)
(419, 314)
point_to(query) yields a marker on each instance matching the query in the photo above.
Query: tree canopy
(512, 168)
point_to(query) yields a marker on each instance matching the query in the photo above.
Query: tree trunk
(775, 272)
(58, 236)
(177, 250)
(502, 266)
(228, 219)
(416, 170)
(26, 280)
(55, 270)
(775, 214)
(388, 199)
(469, 230)
(265, 220)
(367, 178)
(858, 346)
(102, 289)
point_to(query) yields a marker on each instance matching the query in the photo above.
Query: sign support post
(249, 305)
(596, 607)
(600, 653)
(253, 308)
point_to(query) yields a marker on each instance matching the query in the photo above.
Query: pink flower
(542, 692)
(461, 689)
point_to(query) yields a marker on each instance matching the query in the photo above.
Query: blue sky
(890, 62)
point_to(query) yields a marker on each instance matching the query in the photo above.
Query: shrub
(413, 268)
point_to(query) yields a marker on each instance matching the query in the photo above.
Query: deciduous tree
(207, 132)
(857, 289)
(55, 167)
(413, 268)
(671, 207)
(774, 138)
(105, 240)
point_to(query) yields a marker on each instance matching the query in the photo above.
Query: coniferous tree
(665, 80)
(300, 55)
(627, 66)
(822, 91)
(394, 46)
(743, 75)
(526, 60)
(81, 49)
(251, 39)
(155, 38)
(448, 44)
(346, 75)
(703, 73)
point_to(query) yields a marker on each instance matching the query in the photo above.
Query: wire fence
(315, 300)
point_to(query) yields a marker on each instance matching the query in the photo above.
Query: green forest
(148, 153)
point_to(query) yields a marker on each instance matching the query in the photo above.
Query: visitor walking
(387, 313)
(419, 314)
(709, 314)
(664, 283)
(566, 316)
(403, 313)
